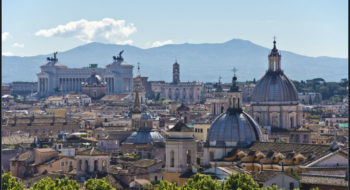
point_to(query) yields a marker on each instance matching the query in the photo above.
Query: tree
(240, 181)
(98, 184)
(201, 181)
(57, 184)
(8, 182)
(165, 185)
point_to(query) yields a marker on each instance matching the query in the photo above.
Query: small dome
(233, 129)
(275, 87)
(144, 137)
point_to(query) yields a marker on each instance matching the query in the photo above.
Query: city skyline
(321, 26)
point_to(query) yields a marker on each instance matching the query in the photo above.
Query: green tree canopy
(165, 185)
(8, 182)
(57, 184)
(98, 184)
(201, 181)
(240, 181)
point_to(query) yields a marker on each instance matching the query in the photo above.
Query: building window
(95, 165)
(291, 186)
(50, 165)
(104, 165)
(211, 155)
(79, 165)
(70, 163)
(86, 165)
(172, 159)
(188, 158)
(62, 164)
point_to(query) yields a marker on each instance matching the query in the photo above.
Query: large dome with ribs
(275, 87)
(235, 128)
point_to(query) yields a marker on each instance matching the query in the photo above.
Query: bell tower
(176, 73)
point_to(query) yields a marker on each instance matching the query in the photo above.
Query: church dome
(275, 86)
(235, 128)
(144, 137)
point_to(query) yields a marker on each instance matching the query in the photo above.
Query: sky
(312, 27)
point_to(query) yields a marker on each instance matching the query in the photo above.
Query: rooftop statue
(54, 58)
(119, 58)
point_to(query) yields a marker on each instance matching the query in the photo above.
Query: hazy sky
(307, 27)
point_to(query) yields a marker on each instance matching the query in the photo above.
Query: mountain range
(198, 62)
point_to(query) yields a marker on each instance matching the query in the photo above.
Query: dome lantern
(274, 59)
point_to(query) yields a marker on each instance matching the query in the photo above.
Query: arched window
(222, 109)
(86, 165)
(238, 103)
(211, 155)
(170, 94)
(274, 121)
(79, 165)
(291, 186)
(177, 94)
(172, 159)
(234, 102)
(292, 122)
(188, 158)
(95, 165)
(104, 165)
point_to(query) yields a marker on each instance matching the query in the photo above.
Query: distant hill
(203, 62)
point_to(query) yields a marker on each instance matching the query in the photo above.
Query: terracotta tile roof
(92, 152)
(181, 127)
(144, 163)
(311, 151)
(324, 180)
(45, 150)
(16, 140)
(23, 157)
(266, 175)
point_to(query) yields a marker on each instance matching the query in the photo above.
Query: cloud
(18, 45)
(105, 30)
(7, 53)
(129, 42)
(159, 43)
(5, 36)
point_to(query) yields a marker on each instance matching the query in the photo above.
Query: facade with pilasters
(187, 92)
(56, 78)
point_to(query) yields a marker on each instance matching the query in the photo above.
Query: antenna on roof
(138, 68)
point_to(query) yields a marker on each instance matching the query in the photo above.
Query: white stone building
(181, 149)
(91, 161)
(186, 92)
(57, 78)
